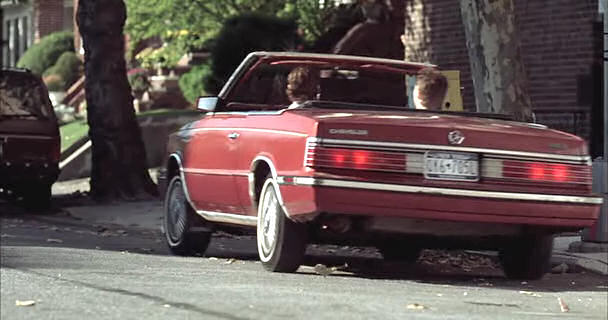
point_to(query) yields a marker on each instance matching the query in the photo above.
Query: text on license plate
(451, 166)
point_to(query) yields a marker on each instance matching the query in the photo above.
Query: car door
(211, 158)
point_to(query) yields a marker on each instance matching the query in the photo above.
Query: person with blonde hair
(430, 90)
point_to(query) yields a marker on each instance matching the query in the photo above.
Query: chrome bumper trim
(308, 181)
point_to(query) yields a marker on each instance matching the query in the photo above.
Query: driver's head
(431, 88)
(302, 83)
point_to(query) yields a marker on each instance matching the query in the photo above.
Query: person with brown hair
(302, 83)
(430, 90)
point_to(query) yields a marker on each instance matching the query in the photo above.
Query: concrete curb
(577, 262)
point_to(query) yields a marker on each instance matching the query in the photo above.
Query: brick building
(559, 39)
(25, 22)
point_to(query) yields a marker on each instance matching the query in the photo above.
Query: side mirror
(207, 104)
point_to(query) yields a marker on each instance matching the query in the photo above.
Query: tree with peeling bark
(119, 168)
(498, 73)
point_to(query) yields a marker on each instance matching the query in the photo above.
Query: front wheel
(37, 197)
(179, 220)
(528, 257)
(281, 242)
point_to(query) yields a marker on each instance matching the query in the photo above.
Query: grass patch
(74, 131)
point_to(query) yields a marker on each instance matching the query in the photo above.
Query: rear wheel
(281, 242)
(179, 221)
(528, 257)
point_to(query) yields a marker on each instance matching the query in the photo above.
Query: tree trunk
(119, 168)
(497, 69)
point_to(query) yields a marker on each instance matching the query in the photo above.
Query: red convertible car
(355, 164)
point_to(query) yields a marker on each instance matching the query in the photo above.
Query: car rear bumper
(306, 197)
(22, 174)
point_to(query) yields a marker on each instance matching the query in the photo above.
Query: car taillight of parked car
(55, 151)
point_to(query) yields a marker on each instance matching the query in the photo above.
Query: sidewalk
(596, 262)
(149, 214)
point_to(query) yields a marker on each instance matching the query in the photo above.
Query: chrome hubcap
(176, 215)
(269, 220)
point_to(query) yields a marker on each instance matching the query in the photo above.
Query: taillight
(355, 159)
(548, 172)
(55, 151)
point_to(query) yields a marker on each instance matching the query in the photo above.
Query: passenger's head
(430, 90)
(302, 83)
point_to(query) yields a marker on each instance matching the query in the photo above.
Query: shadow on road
(54, 229)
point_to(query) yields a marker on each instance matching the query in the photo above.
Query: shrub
(68, 67)
(243, 34)
(192, 83)
(45, 53)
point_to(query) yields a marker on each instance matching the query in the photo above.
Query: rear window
(23, 95)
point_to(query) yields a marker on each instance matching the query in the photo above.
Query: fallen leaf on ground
(230, 261)
(4, 235)
(325, 271)
(562, 305)
(560, 268)
(166, 306)
(25, 303)
(440, 295)
(212, 258)
(416, 306)
(51, 240)
(530, 293)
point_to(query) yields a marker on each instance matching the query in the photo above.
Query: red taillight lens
(355, 159)
(548, 172)
(361, 159)
(560, 172)
(536, 171)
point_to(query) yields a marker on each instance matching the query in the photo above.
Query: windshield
(22, 95)
(362, 86)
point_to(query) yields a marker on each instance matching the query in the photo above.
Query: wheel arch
(174, 166)
(261, 166)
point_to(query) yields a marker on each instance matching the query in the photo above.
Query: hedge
(243, 34)
(68, 67)
(45, 53)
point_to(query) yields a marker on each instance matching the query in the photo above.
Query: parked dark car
(29, 139)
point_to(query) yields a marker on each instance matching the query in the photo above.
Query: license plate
(451, 166)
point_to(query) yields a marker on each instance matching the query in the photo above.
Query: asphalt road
(75, 271)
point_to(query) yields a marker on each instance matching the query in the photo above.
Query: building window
(5, 45)
(26, 33)
(17, 39)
